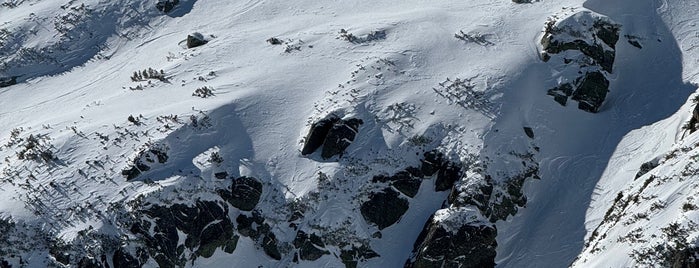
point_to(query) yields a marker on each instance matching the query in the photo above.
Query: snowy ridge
(122, 146)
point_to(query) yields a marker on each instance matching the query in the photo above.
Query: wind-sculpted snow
(345, 134)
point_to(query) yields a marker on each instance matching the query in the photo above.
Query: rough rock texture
(591, 91)
(447, 172)
(145, 159)
(310, 247)
(352, 256)
(585, 42)
(470, 246)
(7, 81)
(333, 134)
(206, 226)
(244, 194)
(195, 40)
(340, 136)
(166, 5)
(384, 208)
(403, 181)
(255, 227)
(316, 136)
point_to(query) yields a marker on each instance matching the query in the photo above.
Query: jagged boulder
(333, 134)
(469, 246)
(447, 172)
(196, 40)
(316, 136)
(310, 247)
(589, 42)
(270, 247)
(384, 208)
(340, 136)
(244, 193)
(591, 91)
(166, 5)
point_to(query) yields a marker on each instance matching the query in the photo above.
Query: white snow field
(121, 146)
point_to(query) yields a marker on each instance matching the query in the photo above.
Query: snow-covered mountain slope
(358, 133)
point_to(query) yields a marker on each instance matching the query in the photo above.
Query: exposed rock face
(591, 91)
(351, 257)
(196, 40)
(244, 193)
(123, 259)
(206, 226)
(258, 230)
(157, 153)
(694, 120)
(462, 234)
(384, 208)
(316, 136)
(403, 181)
(333, 134)
(166, 5)
(646, 167)
(340, 136)
(470, 246)
(7, 81)
(310, 247)
(447, 172)
(585, 42)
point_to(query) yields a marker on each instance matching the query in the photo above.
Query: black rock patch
(384, 208)
(244, 194)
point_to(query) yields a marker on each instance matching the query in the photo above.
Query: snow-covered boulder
(585, 43)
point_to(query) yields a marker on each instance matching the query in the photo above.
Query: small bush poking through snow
(146, 74)
(203, 92)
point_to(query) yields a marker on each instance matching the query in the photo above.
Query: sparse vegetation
(146, 74)
(203, 92)
(474, 37)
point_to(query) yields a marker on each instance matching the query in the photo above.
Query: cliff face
(356, 134)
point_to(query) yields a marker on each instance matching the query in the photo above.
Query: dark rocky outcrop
(310, 247)
(692, 125)
(316, 136)
(196, 40)
(340, 137)
(403, 181)
(334, 135)
(166, 5)
(447, 172)
(470, 246)
(269, 245)
(594, 37)
(352, 256)
(244, 193)
(206, 226)
(123, 259)
(646, 167)
(7, 81)
(591, 91)
(255, 227)
(143, 161)
(529, 131)
(384, 208)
